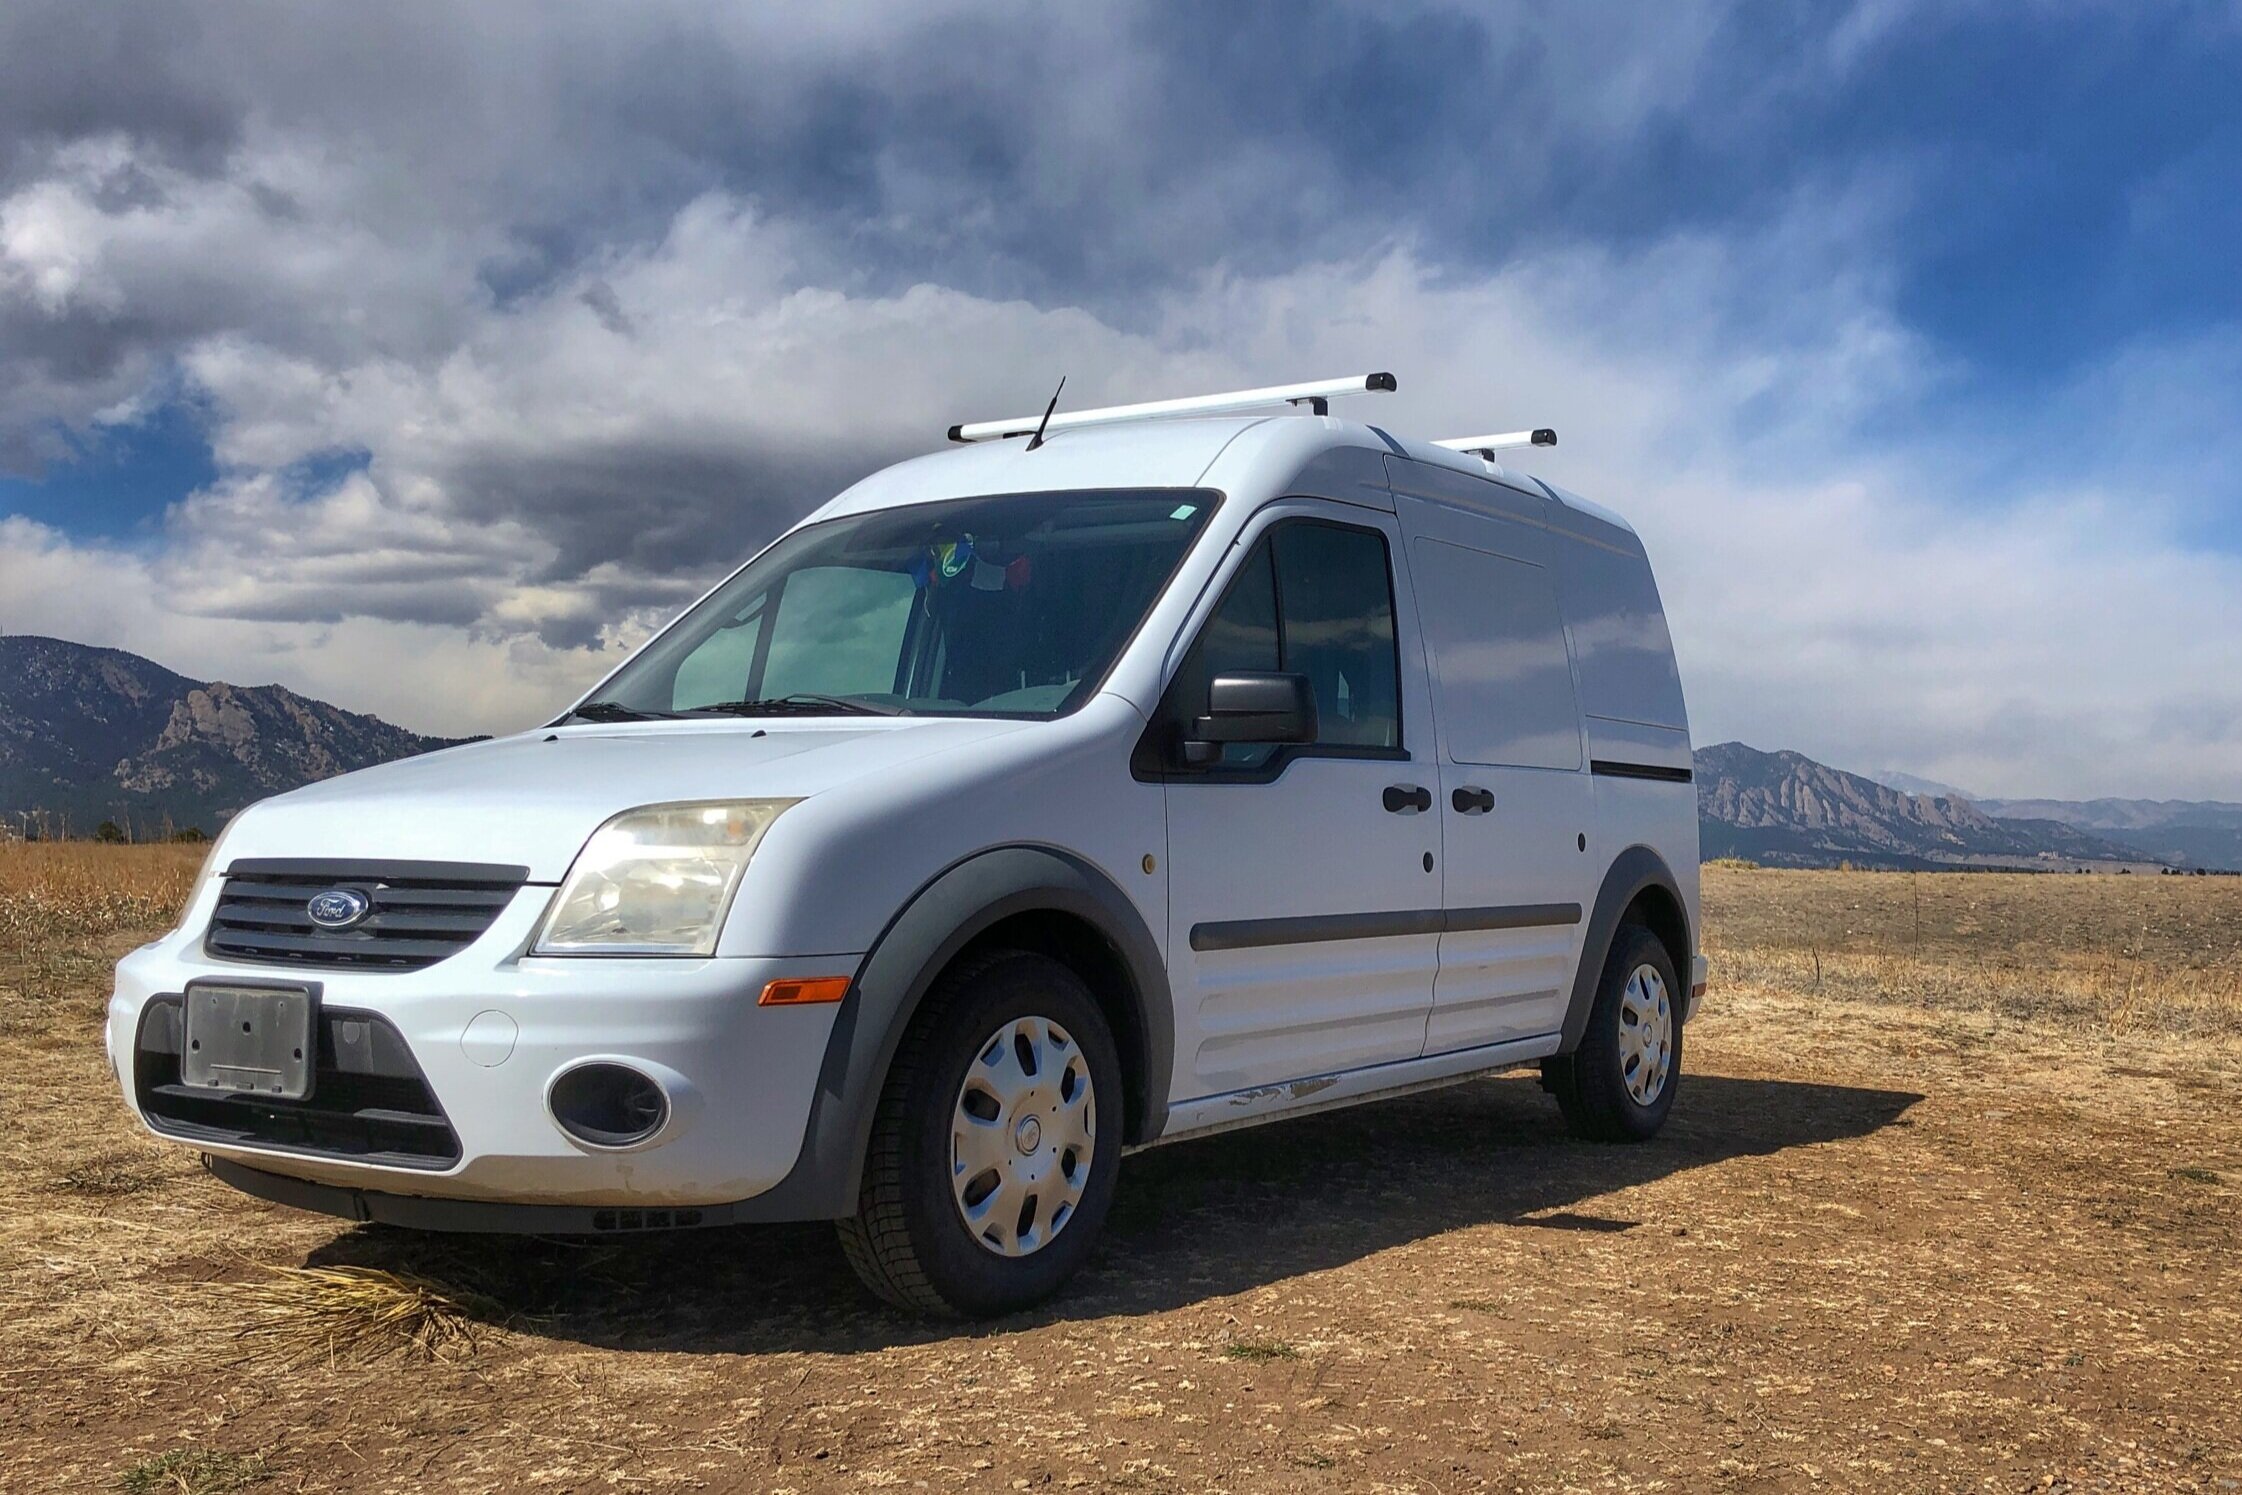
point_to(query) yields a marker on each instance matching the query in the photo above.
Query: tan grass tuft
(112, 1174)
(193, 1471)
(363, 1313)
(1259, 1350)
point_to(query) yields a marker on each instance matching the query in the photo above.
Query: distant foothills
(98, 742)
(1783, 809)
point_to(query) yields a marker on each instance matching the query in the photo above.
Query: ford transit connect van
(1089, 785)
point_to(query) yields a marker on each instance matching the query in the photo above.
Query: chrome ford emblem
(338, 908)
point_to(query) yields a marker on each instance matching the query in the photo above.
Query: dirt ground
(1943, 1206)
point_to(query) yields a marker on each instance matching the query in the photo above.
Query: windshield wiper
(805, 703)
(610, 711)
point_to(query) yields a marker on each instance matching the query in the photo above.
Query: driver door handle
(1473, 800)
(1408, 799)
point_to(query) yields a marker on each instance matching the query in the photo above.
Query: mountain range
(90, 735)
(1785, 809)
(2191, 833)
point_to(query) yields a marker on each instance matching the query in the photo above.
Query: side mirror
(1261, 707)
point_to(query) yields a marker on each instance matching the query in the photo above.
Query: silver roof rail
(1485, 446)
(1314, 395)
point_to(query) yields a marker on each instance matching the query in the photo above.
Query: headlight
(657, 880)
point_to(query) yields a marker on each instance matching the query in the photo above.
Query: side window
(1502, 678)
(1241, 636)
(1335, 597)
(1311, 599)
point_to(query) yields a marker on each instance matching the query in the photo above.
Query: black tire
(908, 1240)
(1591, 1082)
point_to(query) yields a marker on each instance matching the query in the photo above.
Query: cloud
(429, 677)
(557, 484)
(513, 327)
(341, 186)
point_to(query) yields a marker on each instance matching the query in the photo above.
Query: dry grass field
(1948, 1203)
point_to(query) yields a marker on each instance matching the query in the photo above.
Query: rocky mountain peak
(90, 734)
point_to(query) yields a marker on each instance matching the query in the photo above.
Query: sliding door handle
(1408, 799)
(1473, 800)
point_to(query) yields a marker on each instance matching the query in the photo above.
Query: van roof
(1253, 456)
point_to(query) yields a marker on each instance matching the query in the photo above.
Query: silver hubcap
(1022, 1137)
(1646, 1034)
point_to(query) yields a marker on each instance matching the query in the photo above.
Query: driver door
(1305, 891)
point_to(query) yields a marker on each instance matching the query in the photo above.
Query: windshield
(1010, 606)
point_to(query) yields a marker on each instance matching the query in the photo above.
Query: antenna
(1314, 395)
(1485, 446)
(1037, 439)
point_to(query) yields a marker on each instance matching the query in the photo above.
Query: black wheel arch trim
(947, 913)
(1633, 872)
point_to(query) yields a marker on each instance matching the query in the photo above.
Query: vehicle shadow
(1192, 1221)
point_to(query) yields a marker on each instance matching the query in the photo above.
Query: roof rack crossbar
(1313, 395)
(1480, 446)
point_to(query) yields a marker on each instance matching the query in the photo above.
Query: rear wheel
(1620, 1083)
(996, 1144)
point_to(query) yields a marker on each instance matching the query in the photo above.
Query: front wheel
(1620, 1083)
(996, 1143)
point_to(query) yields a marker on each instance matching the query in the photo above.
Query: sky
(424, 358)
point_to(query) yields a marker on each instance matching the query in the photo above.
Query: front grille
(420, 911)
(369, 1101)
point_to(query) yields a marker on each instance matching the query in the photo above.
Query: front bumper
(490, 1028)
(1700, 970)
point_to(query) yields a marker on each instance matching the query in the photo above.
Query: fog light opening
(608, 1105)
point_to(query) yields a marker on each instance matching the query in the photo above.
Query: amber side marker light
(801, 991)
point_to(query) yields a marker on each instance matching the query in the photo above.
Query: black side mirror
(1261, 707)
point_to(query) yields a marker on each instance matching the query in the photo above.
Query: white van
(1148, 775)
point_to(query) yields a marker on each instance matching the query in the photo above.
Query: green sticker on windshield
(1184, 511)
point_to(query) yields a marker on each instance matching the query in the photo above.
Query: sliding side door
(1515, 796)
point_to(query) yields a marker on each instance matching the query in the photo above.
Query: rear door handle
(1473, 800)
(1408, 799)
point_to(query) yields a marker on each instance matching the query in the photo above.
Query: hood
(535, 798)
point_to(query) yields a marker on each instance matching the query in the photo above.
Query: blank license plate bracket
(250, 1040)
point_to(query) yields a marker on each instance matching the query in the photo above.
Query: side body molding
(942, 919)
(1632, 872)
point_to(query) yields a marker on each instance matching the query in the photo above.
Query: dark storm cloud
(339, 185)
(649, 509)
(1040, 144)
(70, 70)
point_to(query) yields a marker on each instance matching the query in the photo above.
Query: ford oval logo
(338, 908)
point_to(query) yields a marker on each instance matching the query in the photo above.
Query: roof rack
(1314, 395)
(1487, 446)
